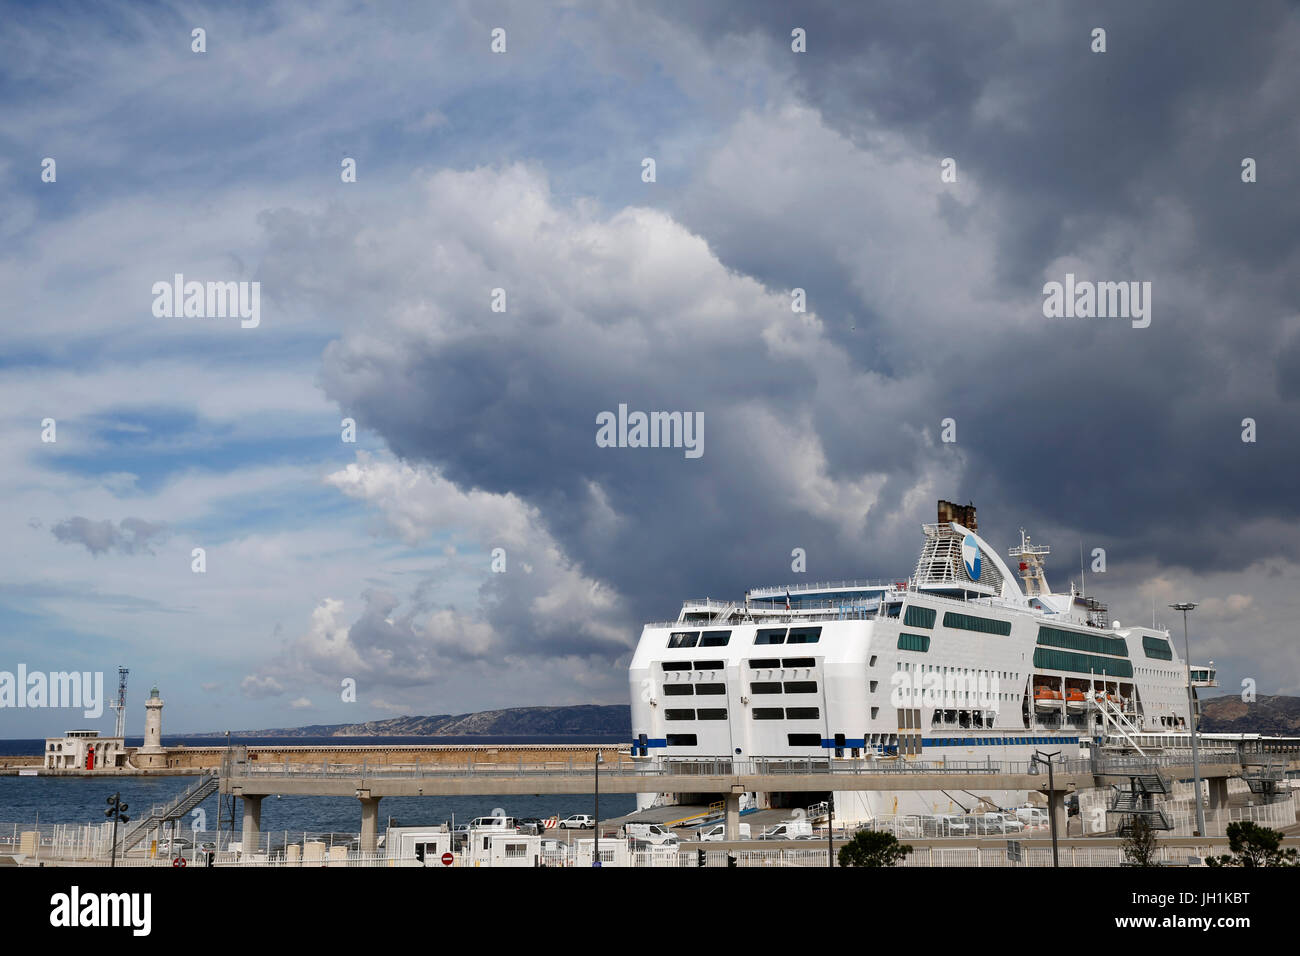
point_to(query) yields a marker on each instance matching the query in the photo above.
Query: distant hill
(1271, 715)
(1275, 716)
(575, 721)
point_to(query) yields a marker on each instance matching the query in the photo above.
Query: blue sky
(475, 430)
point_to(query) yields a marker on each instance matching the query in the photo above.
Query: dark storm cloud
(1117, 166)
(1113, 433)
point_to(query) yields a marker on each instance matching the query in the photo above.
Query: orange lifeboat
(1047, 699)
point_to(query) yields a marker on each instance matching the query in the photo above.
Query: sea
(44, 800)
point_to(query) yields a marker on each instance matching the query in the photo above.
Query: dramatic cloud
(475, 428)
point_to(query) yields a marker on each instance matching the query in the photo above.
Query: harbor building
(84, 750)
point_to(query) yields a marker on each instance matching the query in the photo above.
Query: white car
(953, 825)
(578, 821)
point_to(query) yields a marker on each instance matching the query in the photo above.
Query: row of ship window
(755, 687)
(759, 713)
(764, 635)
(795, 740)
(758, 663)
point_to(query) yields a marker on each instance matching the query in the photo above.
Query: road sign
(595, 862)
(448, 859)
(1015, 851)
(179, 861)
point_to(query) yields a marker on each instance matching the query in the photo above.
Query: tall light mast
(119, 705)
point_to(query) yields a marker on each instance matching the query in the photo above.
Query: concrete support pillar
(1218, 793)
(1056, 807)
(251, 837)
(369, 821)
(733, 816)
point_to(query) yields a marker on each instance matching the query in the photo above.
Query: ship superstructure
(966, 660)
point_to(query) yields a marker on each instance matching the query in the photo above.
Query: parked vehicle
(1032, 816)
(789, 830)
(998, 823)
(654, 833)
(718, 831)
(578, 821)
(530, 825)
(492, 823)
(950, 824)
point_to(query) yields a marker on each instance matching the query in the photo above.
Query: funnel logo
(970, 556)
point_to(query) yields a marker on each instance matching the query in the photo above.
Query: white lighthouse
(152, 755)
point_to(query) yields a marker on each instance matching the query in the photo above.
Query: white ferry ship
(967, 660)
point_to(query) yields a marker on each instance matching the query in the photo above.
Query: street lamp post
(1051, 799)
(600, 759)
(830, 830)
(1191, 716)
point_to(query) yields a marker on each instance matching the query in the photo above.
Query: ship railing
(780, 589)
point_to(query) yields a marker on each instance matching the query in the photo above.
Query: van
(650, 833)
(492, 823)
(718, 832)
(1032, 816)
(789, 830)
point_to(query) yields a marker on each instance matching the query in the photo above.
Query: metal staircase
(1139, 800)
(1265, 779)
(187, 801)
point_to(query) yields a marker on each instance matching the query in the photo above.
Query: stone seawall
(181, 760)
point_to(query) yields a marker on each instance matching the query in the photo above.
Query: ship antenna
(1083, 581)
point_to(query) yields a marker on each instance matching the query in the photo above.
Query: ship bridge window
(762, 663)
(768, 713)
(710, 688)
(804, 740)
(765, 687)
(679, 715)
(804, 635)
(800, 662)
(982, 625)
(676, 665)
(770, 635)
(683, 638)
(801, 687)
(681, 740)
(1157, 647)
(919, 617)
(709, 665)
(678, 690)
(802, 713)
(715, 638)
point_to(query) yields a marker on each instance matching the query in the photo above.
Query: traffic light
(699, 857)
(731, 860)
